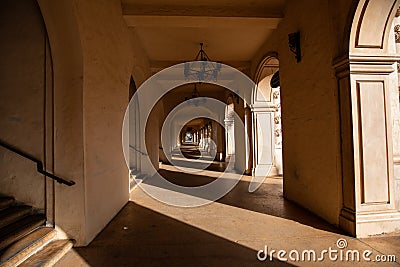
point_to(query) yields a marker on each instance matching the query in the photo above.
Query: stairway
(24, 238)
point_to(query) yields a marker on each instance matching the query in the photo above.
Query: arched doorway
(368, 91)
(266, 118)
(27, 105)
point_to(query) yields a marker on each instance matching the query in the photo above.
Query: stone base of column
(396, 160)
(367, 224)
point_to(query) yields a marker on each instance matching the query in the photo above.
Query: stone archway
(67, 58)
(367, 81)
(265, 107)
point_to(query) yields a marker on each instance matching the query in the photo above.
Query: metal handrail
(39, 164)
(137, 150)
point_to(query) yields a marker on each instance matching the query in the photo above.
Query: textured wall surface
(310, 116)
(22, 97)
(93, 63)
(107, 65)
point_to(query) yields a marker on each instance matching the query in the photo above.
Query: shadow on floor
(268, 199)
(214, 166)
(141, 237)
(190, 156)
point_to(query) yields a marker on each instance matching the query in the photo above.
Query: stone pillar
(207, 129)
(214, 139)
(229, 137)
(239, 137)
(368, 84)
(263, 146)
(278, 160)
(202, 138)
(221, 151)
(249, 144)
(368, 182)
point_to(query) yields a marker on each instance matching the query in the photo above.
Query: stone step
(49, 255)
(13, 214)
(18, 229)
(26, 246)
(6, 202)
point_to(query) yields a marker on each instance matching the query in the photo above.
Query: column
(249, 145)
(263, 146)
(368, 182)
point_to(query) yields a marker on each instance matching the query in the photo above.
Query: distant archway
(266, 114)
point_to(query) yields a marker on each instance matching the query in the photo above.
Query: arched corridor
(180, 133)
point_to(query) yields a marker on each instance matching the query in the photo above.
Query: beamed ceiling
(232, 30)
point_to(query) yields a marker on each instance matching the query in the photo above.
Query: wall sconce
(294, 45)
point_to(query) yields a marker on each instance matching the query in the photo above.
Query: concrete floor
(229, 232)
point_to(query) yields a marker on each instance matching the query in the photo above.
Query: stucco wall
(310, 116)
(94, 56)
(66, 51)
(107, 61)
(22, 97)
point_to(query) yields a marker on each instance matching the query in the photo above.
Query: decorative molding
(365, 203)
(397, 33)
(267, 57)
(276, 94)
(368, 217)
(348, 214)
(278, 132)
(373, 64)
(342, 67)
(264, 107)
(361, 20)
(372, 69)
(371, 59)
(277, 119)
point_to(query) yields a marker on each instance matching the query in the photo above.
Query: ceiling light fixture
(202, 68)
(195, 98)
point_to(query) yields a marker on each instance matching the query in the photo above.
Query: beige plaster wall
(22, 97)
(66, 50)
(310, 115)
(107, 61)
(141, 67)
(94, 56)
